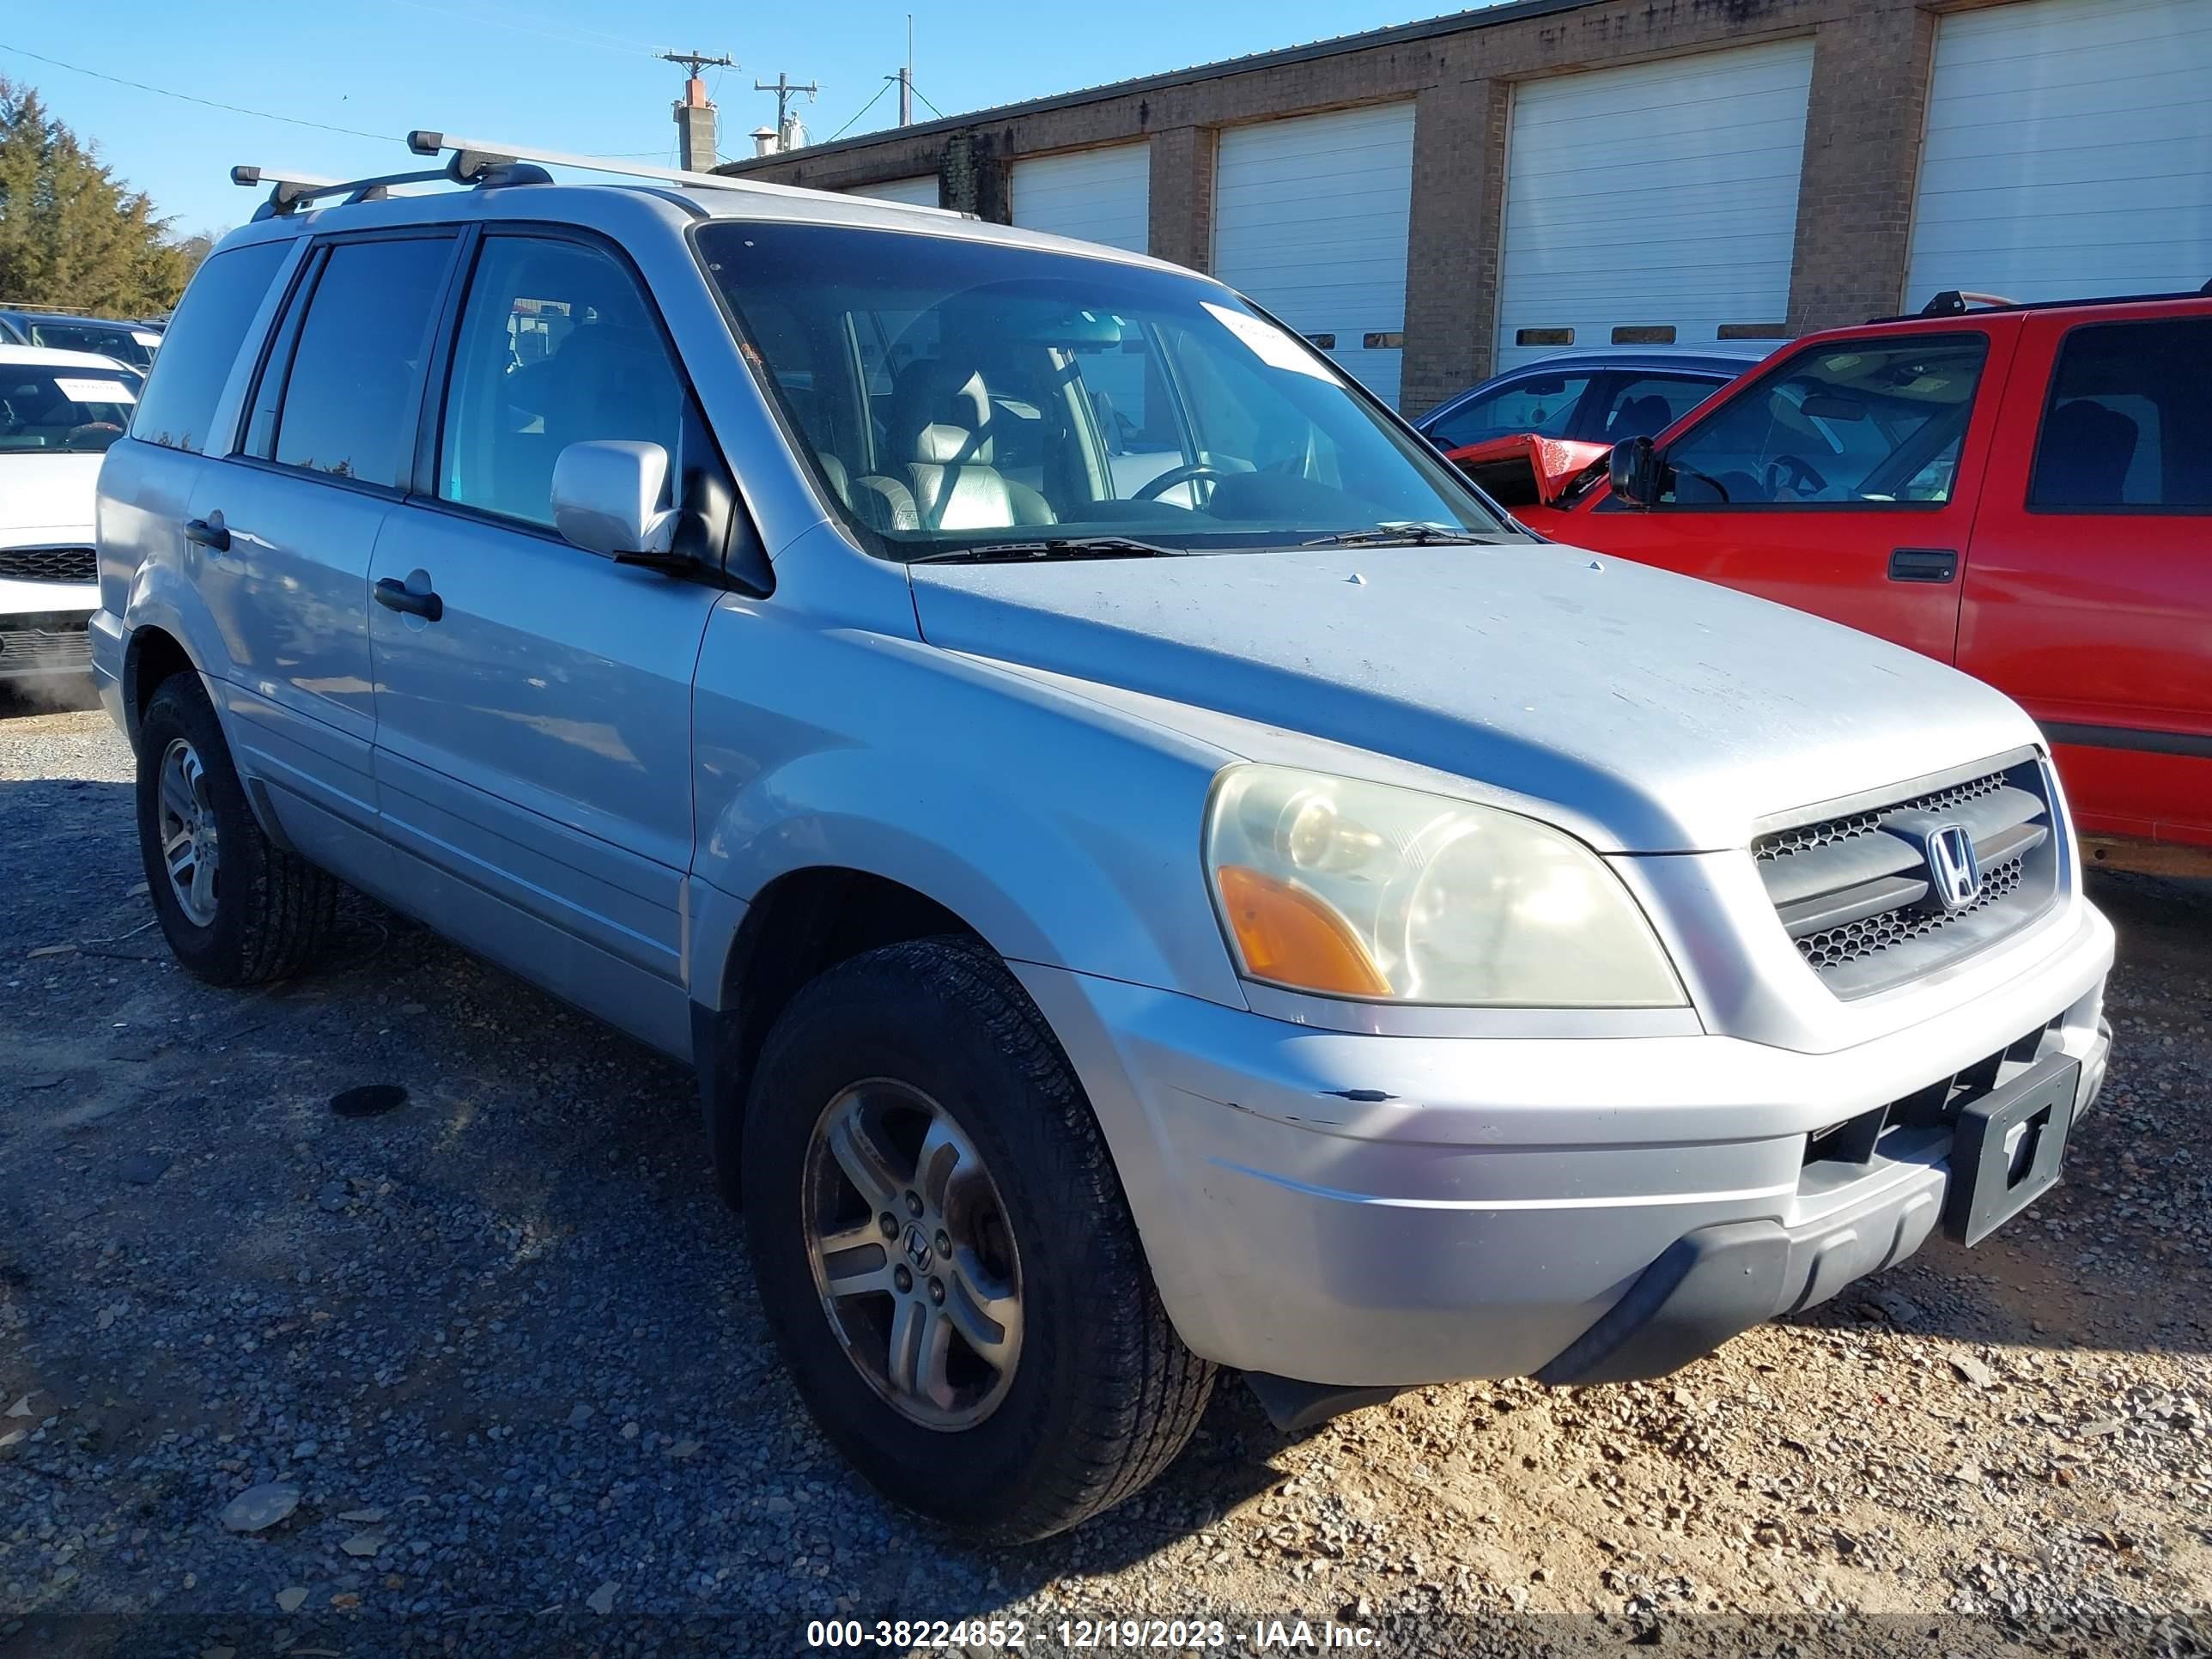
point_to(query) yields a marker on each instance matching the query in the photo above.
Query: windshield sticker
(94, 392)
(1267, 342)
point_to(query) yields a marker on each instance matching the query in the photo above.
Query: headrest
(941, 410)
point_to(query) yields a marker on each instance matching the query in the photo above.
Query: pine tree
(71, 234)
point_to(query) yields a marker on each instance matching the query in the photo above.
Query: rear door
(283, 564)
(2089, 594)
(533, 756)
(1840, 481)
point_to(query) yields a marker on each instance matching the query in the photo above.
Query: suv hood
(1662, 714)
(46, 497)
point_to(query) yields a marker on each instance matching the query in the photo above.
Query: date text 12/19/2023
(1160, 1635)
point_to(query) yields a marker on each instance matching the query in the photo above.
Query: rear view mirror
(1633, 471)
(606, 500)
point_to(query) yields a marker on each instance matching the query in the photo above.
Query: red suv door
(2088, 594)
(1839, 480)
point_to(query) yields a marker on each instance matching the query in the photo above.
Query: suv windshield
(67, 411)
(964, 395)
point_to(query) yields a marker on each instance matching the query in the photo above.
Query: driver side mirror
(1636, 472)
(606, 500)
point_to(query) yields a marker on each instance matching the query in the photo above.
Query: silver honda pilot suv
(1153, 871)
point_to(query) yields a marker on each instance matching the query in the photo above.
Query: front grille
(49, 564)
(50, 645)
(1855, 892)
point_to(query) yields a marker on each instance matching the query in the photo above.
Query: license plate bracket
(2008, 1148)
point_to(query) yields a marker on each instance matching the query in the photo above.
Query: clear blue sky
(575, 74)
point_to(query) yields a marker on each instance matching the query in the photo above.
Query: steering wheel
(88, 428)
(1175, 475)
(1803, 474)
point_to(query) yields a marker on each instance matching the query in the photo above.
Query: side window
(1543, 403)
(202, 343)
(2129, 425)
(350, 394)
(1859, 423)
(557, 346)
(1645, 405)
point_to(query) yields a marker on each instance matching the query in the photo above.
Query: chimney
(765, 141)
(694, 129)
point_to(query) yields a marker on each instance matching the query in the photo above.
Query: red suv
(2024, 490)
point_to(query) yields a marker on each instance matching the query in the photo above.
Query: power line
(188, 98)
(924, 96)
(864, 109)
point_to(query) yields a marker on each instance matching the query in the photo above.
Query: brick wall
(1862, 144)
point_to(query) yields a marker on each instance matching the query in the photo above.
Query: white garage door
(2068, 152)
(1309, 218)
(916, 192)
(1098, 195)
(1662, 196)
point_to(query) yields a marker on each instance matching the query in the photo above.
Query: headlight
(1360, 890)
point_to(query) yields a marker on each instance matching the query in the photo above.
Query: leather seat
(1639, 418)
(2085, 454)
(941, 419)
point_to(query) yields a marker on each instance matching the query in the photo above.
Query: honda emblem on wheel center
(1952, 869)
(917, 1249)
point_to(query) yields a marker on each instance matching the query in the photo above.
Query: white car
(60, 410)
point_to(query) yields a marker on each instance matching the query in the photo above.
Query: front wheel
(235, 907)
(944, 1252)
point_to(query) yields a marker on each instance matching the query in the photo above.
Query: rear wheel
(945, 1255)
(235, 907)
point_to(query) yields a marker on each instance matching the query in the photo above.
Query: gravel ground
(499, 1350)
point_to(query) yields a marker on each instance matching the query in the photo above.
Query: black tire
(1103, 1394)
(274, 912)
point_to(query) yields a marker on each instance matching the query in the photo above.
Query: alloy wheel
(187, 821)
(912, 1253)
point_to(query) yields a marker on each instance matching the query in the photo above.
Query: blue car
(1603, 395)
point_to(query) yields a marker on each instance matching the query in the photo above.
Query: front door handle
(395, 595)
(204, 534)
(1924, 564)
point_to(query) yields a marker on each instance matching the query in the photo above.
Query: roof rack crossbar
(473, 157)
(289, 190)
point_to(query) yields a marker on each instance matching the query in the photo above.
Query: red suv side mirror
(1633, 471)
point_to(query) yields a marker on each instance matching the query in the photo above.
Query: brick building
(1433, 200)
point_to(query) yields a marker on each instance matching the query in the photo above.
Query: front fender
(1063, 832)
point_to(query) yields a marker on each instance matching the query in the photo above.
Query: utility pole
(783, 86)
(905, 77)
(695, 115)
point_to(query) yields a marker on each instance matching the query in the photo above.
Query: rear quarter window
(2128, 428)
(202, 343)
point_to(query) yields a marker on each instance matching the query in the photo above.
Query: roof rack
(1957, 302)
(487, 165)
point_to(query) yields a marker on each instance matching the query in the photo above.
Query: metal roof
(1458, 23)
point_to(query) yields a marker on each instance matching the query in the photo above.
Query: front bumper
(1377, 1211)
(43, 645)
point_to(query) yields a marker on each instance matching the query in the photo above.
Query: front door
(1840, 481)
(533, 757)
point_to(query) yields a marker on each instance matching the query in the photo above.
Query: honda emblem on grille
(1952, 869)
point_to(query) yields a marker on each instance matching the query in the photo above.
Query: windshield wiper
(1051, 547)
(1404, 535)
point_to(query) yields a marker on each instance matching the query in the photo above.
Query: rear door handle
(1924, 564)
(395, 595)
(200, 530)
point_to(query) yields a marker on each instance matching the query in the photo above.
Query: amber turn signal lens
(1292, 938)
